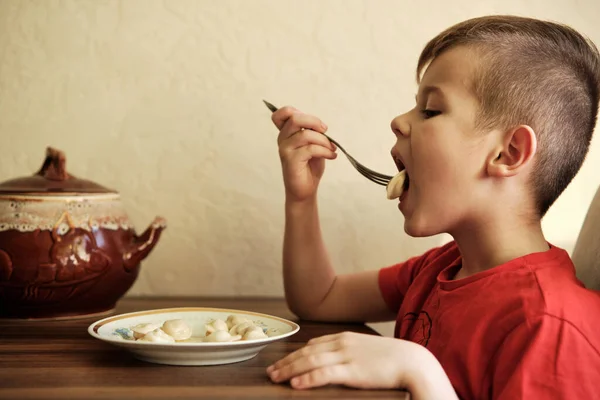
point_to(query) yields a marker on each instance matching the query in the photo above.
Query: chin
(421, 228)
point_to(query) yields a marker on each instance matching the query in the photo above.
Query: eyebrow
(430, 89)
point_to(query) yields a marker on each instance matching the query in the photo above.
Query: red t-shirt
(527, 329)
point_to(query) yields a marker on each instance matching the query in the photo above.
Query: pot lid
(52, 178)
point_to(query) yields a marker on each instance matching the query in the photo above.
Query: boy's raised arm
(313, 291)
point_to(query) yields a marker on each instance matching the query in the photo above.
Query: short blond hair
(538, 73)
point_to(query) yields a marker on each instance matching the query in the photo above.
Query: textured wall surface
(162, 101)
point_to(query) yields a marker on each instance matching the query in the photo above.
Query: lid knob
(55, 165)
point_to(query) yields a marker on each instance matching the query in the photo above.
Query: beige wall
(162, 101)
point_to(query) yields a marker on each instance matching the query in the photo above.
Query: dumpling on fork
(395, 187)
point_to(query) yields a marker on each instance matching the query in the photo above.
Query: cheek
(435, 164)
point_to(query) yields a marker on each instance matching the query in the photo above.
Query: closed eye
(430, 113)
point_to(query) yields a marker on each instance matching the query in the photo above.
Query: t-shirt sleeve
(547, 359)
(395, 280)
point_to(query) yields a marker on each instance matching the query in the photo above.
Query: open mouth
(401, 167)
(400, 183)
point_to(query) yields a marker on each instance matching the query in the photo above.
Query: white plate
(116, 330)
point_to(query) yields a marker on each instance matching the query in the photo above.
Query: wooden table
(60, 360)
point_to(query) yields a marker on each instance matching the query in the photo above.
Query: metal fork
(378, 178)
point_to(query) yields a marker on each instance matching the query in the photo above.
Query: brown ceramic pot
(67, 247)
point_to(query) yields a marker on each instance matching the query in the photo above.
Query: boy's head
(534, 84)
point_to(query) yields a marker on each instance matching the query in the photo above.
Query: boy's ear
(516, 151)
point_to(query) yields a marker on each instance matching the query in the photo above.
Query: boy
(503, 119)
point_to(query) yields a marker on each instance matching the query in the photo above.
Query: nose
(400, 125)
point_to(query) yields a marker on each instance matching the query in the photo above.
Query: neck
(495, 242)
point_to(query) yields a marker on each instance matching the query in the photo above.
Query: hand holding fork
(379, 178)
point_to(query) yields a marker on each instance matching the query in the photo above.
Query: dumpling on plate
(157, 336)
(178, 329)
(141, 329)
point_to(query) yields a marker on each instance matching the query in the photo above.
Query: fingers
(307, 153)
(326, 343)
(306, 145)
(331, 375)
(305, 361)
(304, 138)
(289, 121)
(301, 136)
(307, 365)
(329, 338)
(348, 359)
(307, 351)
(324, 360)
(280, 116)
